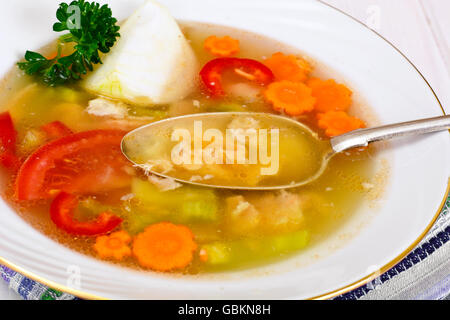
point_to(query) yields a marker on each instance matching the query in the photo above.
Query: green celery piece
(187, 204)
(227, 107)
(197, 204)
(219, 253)
(90, 208)
(199, 210)
(149, 194)
(239, 252)
(288, 242)
(138, 220)
(136, 111)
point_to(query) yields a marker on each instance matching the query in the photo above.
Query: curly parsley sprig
(91, 27)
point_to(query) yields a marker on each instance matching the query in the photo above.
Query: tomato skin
(105, 165)
(8, 134)
(62, 214)
(8, 137)
(212, 72)
(55, 130)
(10, 161)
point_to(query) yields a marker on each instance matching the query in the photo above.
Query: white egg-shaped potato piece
(152, 62)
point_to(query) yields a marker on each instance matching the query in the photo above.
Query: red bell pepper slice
(62, 214)
(212, 72)
(55, 130)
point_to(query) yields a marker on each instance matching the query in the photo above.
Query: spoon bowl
(271, 137)
(298, 155)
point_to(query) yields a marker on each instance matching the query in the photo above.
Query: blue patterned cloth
(29, 289)
(423, 274)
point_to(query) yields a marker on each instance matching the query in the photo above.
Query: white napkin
(427, 279)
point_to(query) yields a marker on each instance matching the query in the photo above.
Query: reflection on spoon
(250, 151)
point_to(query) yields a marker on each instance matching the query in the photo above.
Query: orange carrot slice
(338, 122)
(54, 55)
(222, 47)
(288, 67)
(330, 95)
(113, 246)
(293, 98)
(164, 247)
(203, 254)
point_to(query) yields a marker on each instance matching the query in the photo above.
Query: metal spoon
(357, 138)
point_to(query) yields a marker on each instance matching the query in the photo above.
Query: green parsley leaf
(91, 27)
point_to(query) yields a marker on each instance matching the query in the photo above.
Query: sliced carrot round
(222, 47)
(338, 122)
(293, 98)
(164, 247)
(54, 55)
(288, 67)
(115, 246)
(203, 254)
(331, 96)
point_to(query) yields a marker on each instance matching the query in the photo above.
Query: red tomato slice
(8, 134)
(82, 163)
(8, 137)
(10, 161)
(212, 72)
(55, 130)
(62, 214)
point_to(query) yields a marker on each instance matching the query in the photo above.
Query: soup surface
(70, 180)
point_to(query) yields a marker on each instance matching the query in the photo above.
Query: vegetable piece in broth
(97, 33)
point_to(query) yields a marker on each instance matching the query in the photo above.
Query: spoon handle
(362, 137)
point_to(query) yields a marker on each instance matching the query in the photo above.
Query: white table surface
(419, 28)
(7, 294)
